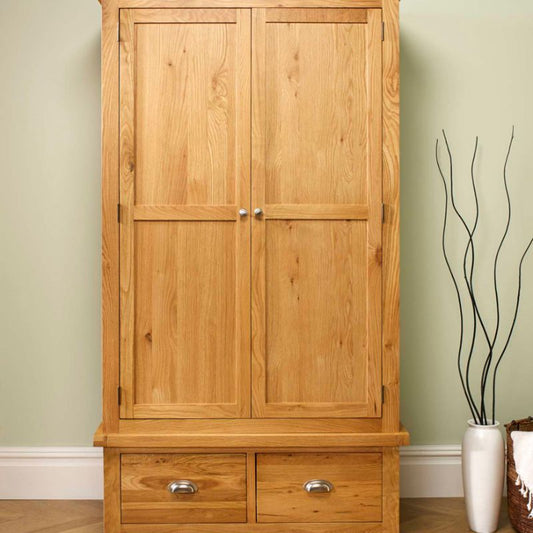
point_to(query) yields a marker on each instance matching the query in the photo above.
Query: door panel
(184, 332)
(316, 261)
(315, 274)
(185, 86)
(185, 251)
(316, 126)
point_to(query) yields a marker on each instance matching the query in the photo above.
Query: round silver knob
(318, 486)
(182, 486)
(243, 212)
(258, 211)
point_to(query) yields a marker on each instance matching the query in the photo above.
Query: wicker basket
(516, 503)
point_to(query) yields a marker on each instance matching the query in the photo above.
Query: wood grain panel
(248, 3)
(185, 113)
(391, 227)
(112, 490)
(312, 15)
(185, 253)
(258, 277)
(251, 492)
(316, 262)
(260, 426)
(217, 434)
(391, 489)
(262, 442)
(220, 478)
(127, 202)
(375, 197)
(356, 478)
(308, 527)
(316, 126)
(316, 315)
(313, 212)
(151, 16)
(110, 230)
(185, 336)
(188, 212)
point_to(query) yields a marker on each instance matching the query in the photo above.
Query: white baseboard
(51, 474)
(431, 472)
(76, 473)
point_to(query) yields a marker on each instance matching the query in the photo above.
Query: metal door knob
(243, 212)
(258, 211)
(318, 486)
(182, 486)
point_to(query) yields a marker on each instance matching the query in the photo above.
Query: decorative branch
(471, 247)
(466, 390)
(504, 349)
(479, 413)
(488, 362)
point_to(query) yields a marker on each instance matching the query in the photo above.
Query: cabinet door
(316, 258)
(184, 249)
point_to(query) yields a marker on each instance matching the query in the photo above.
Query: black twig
(467, 393)
(488, 361)
(511, 329)
(473, 302)
(469, 260)
(470, 247)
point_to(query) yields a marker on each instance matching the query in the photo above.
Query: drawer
(217, 485)
(355, 487)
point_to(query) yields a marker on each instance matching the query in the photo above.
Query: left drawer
(208, 488)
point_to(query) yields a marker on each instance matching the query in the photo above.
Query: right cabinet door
(317, 172)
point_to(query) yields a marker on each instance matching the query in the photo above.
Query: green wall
(49, 222)
(466, 66)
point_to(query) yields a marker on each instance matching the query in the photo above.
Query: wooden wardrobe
(250, 191)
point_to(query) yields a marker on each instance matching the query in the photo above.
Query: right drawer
(319, 487)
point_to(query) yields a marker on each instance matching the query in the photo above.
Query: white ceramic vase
(483, 460)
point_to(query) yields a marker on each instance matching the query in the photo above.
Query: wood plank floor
(16, 516)
(52, 516)
(442, 515)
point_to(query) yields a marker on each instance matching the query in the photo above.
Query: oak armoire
(250, 189)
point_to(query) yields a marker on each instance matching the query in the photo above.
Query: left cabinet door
(184, 246)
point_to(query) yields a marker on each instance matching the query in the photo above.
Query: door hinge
(382, 394)
(119, 395)
(118, 213)
(118, 32)
(383, 31)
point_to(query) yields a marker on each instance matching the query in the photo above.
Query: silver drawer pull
(182, 486)
(318, 486)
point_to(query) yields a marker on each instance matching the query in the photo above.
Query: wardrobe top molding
(123, 4)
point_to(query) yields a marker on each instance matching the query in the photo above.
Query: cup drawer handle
(318, 486)
(182, 486)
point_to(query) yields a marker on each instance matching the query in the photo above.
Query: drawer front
(355, 483)
(219, 480)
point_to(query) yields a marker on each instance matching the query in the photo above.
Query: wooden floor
(444, 515)
(418, 516)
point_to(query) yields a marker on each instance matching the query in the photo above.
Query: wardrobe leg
(391, 490)
(111, 490)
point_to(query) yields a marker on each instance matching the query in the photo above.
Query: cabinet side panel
(391, 226)
(110, 236)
